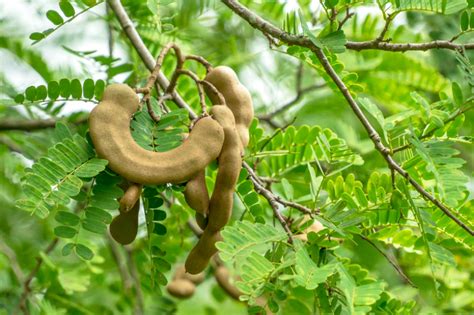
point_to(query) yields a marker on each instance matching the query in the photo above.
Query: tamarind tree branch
(303, 41)
(266, 27)
(31, 125)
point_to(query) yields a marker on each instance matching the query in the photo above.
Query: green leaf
(67, 8)
(89, 3)
(375, 112)
(308, 274)
(65, 88)
(65, 231)
(154, 6)
(464, 21)
(76, 89)
(93, 225)
(91, 168)
(41, 93)
(36, 36)
(99, 89)
(67, 218)
(159, 228)
(242, 236)
(457, 94)
(84, 252)
(441, 255)
(307, 31)
(54, 17)
(19, 99)
(335, 41)
(30, 93)
(53, 90)
(67, 249)
(88, 88)
(439, 6)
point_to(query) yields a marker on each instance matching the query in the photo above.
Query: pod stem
(200, 60)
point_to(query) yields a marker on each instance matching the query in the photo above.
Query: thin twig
(271, 200)
(199, 85)
(266, 27)
(201, 60)
(303, 41)
(11, 145)
(31, 125)
(390, 260)
(26, 284)
(15, 266)
(215, 91)
(143, 52)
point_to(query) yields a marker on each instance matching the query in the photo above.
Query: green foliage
(439, 6)
(58, 176)
(67, 9)
(63, 90)
(378, 231)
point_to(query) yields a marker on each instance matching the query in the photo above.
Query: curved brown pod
(180, 273)
(222, 276)
(230, 164)
(199, 257)
(196, 194)
(109, 124)
(124, 227)
(237, 98)
(220, 206)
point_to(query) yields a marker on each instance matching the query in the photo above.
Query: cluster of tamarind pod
(220, 135)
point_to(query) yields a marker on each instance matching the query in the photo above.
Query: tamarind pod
(109, 125)
(124, 227)
(130, 198)
(230, 163)
(237, 98)
(181, 288)
(222, 276)
(180, 273)
(201, 220)
(196, 194)
(200, 255)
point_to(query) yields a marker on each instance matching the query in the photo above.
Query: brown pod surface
(181, 288)
(237, 98)
(124, 227)
(109, 124)
(130, 198)
(200, 255)
(201, 220)
(196, 194)
(230, 164)
(181, 273)
(222, 276)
